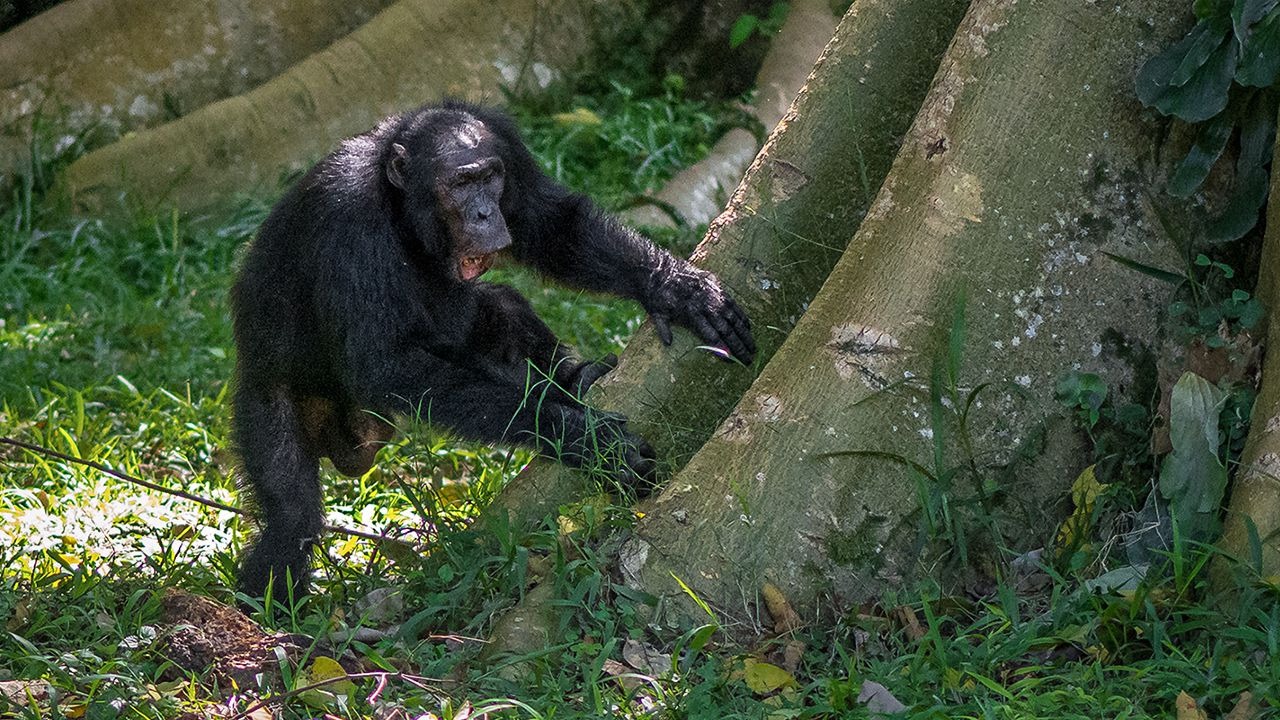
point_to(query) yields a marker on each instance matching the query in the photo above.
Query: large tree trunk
(782, 232)
(411, 52)
(131, 63)
(1028, 160)
(1255, 496)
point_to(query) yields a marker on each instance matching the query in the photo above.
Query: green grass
(115, 346)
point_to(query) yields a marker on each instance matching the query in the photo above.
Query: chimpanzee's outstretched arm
(565, 236)
(573, 241)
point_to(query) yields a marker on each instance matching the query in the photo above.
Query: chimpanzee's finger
(729, 337)
(610, 360)
(640, 473)
(703, 327)
(589, 374)
(663, 326)
(740, 321)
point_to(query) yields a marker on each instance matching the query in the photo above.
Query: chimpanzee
(359, 301)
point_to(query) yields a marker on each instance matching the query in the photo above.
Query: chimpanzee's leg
(282, 475)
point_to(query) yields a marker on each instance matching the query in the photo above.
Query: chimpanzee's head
(451, 164)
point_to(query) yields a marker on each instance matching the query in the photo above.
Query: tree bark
(412, 52)
(783, 230)
(1028, 160)
(131, 63)
(1255, 496)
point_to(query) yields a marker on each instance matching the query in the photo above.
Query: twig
(47, 452)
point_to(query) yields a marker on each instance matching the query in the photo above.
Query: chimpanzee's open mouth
(473, 267)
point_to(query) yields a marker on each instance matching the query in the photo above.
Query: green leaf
(1247, 12)
(1252, 313)
(1153, 77)
(1257, 137)
(742, 29)
(1257, 132)
(1198, 53)
(1260, 54)
(1150, 270)
(701, 636)
(1255, 544)
(1193, 478)
(694, 596)
(1241, 213)
(1203, 93)
(1211, 140)
(1206, 9)
(778, 12)
(1123, 580)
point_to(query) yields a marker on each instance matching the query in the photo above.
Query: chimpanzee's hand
(586, 374)
(695, 299)
(627, 459)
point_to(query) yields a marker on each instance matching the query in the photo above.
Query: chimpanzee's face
(460, 173)
(468, 186)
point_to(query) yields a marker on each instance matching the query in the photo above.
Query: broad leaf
(1241, 213)
(1203, 92)
(1257, 135)
(1202, 47)
(1247, 12)
(1192, 477)
(1205, 9)
(334, 688)
(1211, 140)
(764, 678)
(1260, 54)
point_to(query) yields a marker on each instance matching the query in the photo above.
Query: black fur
(348, 308)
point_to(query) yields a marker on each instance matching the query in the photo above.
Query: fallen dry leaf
(1187, 709)
(906, 617)
(879, 701)
(792, 654)
(22, 692)
(621, 674)
(1244, 709)
(646, 659)
(785, 618)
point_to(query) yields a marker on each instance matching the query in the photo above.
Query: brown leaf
(646, 659)
(906, 617)
(792, 654)
(621, 674)
(20, 692)
(1187, 709)
(1244, 709)
(785, 618)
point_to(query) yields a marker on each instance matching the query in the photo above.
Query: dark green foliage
(13, 12)
(1221, 74)
(749, 24)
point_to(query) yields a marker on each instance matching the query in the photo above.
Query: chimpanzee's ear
(395, 167)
